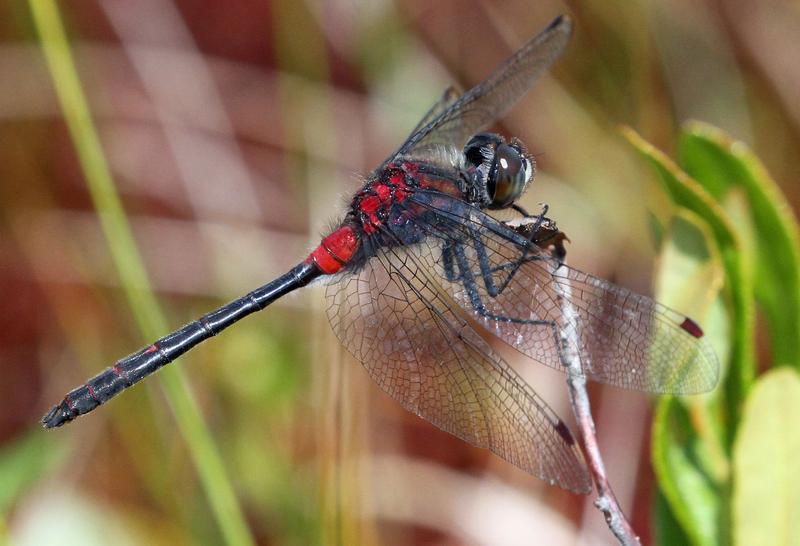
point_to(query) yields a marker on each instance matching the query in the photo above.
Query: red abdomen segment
(335, 250)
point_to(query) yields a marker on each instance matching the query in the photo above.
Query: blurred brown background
(234, 132)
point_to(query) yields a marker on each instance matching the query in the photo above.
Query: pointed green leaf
(724, 166)
(689, 275)
(689, 194)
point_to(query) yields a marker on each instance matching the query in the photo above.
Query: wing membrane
(450, 96)
(483, 104)
(394, 318)
(625, 339)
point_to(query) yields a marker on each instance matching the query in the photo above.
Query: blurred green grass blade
(723, 165)
(129, 266)
(23, 462)
(687, 193)
(766, 496)
(688, 436)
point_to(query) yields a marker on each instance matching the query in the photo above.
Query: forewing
(624, 339)
(490, 100)
(419, 349)
(448, 98)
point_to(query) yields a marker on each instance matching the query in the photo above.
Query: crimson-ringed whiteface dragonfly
(419, 276)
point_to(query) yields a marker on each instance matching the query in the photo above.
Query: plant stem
(606, 501)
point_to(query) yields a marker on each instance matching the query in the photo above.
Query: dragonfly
(423, 282)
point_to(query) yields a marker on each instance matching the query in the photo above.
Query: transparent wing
(490, 100)
(522, 295)
(450, 96)
(394, 318)
(447, 99)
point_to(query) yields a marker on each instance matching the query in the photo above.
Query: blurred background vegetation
(224, 138)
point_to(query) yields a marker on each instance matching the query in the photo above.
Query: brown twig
(606, 502)
(544, 233)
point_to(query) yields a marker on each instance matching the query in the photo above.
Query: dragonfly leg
(487, 271)
(479, 247)
(447, 262)
(467, 277)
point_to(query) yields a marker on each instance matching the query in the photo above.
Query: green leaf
(766, 496)
(688, 453)
(689, 277)
(681, 460)
(702, 272)
(666, 529)
(687, 193)
(725, 166)
(689, 274)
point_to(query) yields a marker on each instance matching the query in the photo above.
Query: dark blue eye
(510, 174)
(500, 171)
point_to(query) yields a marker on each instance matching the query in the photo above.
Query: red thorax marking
(375, 200)
(335, 250)
(383, 192)
(442, 185)
(371, 203)
(429, 181)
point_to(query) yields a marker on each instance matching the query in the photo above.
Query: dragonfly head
(500, 170)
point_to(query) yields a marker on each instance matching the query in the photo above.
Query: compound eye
(480, 148)
(509, 177)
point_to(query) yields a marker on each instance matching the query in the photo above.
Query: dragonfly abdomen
(125, 373)
(134, 368)
(336, 250)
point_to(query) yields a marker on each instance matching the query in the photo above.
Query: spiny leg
(480, 248)
(488, 271)
(467, 278)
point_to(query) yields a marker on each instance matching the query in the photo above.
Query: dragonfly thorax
(373, 203)
(500, 171)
